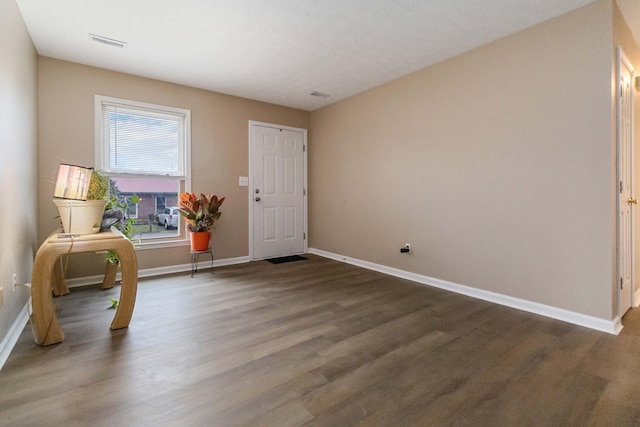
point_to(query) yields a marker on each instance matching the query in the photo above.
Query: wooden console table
(46, 278)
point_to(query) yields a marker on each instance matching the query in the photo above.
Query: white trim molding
(613, 326)
(609, 326)
(159, 271)
(10, 340)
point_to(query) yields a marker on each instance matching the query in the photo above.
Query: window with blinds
(144, 149)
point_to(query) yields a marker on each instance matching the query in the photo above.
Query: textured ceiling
(277, 51)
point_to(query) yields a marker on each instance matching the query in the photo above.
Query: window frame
(164, 203)
(184, 180)
(130, 204)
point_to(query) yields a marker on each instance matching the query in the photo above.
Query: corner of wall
(18, 163)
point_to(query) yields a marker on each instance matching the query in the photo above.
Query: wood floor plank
(316, 342)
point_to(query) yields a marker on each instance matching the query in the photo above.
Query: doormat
(284, 259)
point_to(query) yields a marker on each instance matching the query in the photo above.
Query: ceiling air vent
(107, 41)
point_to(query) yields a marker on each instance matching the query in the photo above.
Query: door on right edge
(625, 171)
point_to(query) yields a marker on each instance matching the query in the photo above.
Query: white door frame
(622, 60)
(252, 125)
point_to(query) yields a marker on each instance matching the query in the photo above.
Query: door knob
(257, 199)
(632, 201)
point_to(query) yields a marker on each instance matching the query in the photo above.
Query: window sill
(160, 244)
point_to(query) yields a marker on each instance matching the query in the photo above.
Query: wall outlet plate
(243, 181)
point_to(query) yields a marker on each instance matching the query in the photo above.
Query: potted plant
(200, 213)
(84, 216)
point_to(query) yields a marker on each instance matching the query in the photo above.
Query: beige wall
(18, 139)
(497, 166)
(219, 128)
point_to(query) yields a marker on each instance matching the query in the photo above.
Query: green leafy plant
(124, 225)
(98, 186)
(200, 213)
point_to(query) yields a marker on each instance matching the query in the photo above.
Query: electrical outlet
(15, 280)
(1, 297)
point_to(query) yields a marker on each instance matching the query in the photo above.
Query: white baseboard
(6, 346)
(609, 326)
(158, 271)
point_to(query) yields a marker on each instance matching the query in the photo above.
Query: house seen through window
(144, 149)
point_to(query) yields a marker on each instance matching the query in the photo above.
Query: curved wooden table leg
(46, 324)
(59, 285)
(129, 288)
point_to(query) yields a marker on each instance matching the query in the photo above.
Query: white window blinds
(141, 140)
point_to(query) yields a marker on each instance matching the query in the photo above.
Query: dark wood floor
(317, 342)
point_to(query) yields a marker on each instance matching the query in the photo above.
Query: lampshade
(72, 182)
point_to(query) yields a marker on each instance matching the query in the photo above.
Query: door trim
(252, 125)
(621, 59)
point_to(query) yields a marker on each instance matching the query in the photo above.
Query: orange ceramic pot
(200, 240)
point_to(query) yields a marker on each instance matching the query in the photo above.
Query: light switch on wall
(243, 181)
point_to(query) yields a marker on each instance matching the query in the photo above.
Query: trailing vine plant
(124, 225)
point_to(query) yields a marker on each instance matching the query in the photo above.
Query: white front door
(277, 190)
(625, 179)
